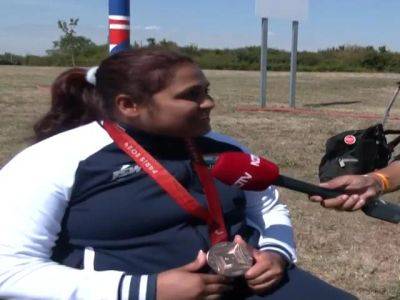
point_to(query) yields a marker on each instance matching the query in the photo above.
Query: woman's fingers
(263, 278)
(334, 202)
(215, 279)
(350, 202)
(216, 288)
(338, 182)
(213, 297)
(260, 267)
(263, 287)
(359, 204)
(316, 198)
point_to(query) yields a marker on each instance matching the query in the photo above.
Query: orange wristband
(384, 181)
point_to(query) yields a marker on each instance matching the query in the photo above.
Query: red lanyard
(213, 216)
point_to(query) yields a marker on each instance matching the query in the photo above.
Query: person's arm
(276, 245)
(389, 177)
(271, 218)
(358, 189)
(34, 192)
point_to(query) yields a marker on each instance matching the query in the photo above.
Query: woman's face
(182, 109)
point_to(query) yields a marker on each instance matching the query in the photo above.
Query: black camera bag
(356, 152)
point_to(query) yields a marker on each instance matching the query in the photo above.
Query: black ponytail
(73, 103)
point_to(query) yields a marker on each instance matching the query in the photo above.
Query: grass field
(349, 250)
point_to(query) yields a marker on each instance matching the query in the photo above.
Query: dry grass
(349, 250)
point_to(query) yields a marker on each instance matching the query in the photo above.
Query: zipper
(343, 161)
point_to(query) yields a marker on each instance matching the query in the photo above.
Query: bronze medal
(229, 259)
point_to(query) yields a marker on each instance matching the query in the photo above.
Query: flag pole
(119, 25)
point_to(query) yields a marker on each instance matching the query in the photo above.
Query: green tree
(151, 42)
(70, 44)
(168, 45)
(382, 49)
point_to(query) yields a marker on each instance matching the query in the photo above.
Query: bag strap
(390, 104)
(396, 141)
(392, 144)
(391, 131)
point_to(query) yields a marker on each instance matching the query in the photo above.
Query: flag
(119, 25)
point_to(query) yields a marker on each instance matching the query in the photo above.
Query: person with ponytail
(115, 200)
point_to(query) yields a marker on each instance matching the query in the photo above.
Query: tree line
(71, 50)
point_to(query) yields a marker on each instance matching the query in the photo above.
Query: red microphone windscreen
(247, 171)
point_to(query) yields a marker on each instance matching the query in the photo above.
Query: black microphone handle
(306, 188)
(376, 208)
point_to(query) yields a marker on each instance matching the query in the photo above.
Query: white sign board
(282, 9)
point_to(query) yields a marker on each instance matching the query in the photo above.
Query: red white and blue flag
(119, 22)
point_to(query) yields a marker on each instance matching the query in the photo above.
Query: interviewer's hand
(358, 188)
(267, 271)
(187, 283)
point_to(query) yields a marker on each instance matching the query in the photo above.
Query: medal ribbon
(212, 216)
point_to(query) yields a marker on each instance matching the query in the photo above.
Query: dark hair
(139, 73)
(72, 104)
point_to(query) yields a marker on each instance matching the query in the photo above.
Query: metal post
(293, 64)
(119, 25)
(263, 61)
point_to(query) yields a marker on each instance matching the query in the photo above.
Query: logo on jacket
(126, 170)
(210, 160)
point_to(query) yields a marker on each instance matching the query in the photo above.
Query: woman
(85, 213)
(359, 189)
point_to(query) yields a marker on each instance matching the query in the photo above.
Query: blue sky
(30, 26)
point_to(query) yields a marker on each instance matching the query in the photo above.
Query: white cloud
(152, 27)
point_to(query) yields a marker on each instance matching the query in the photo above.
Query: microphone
(254, 173)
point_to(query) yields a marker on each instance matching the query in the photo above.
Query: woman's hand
(267, 271)
(358, 188)
(188, 283)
